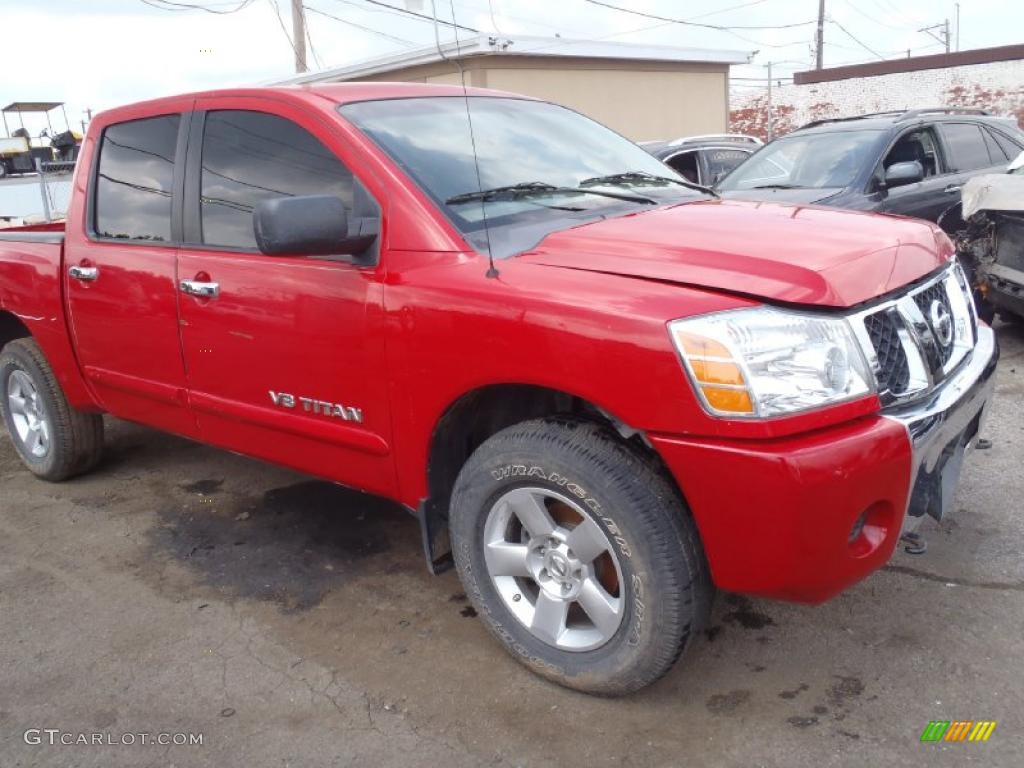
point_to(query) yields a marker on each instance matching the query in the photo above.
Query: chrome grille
(893, 373)
(916, 340)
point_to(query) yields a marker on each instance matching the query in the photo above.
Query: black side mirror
(312, 225)
(901, 174)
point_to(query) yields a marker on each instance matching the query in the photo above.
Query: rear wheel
(54, 440)
(579, 555)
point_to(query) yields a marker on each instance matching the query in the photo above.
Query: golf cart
(18, 150)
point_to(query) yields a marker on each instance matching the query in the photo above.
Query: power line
(856, 40)
(312, 50)
(171, 5)
(371, 30)
(284, 29)
(729, 30)
(853, 7)
(718, 27)
(726, 10)
(421, 16)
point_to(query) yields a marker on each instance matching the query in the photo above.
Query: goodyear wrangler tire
(54, 440)
(579, 555)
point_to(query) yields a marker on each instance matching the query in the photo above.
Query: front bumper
(802, 518)
(944, 427)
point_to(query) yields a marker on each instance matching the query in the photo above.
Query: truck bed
(52, 232)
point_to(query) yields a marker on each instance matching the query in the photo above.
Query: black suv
(908, 162)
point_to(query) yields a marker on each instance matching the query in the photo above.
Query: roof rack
(910, 114)
(724, 136)
(826, 120)
(901, 114)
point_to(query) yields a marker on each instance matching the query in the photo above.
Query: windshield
(810, 160)
(543, 165)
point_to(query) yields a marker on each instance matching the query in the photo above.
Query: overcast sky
(101, 53)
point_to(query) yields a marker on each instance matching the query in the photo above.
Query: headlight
(762, 362)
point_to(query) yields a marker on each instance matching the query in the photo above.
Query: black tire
(75, 442)
(664, 580)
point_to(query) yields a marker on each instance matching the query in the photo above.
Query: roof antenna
(492, 271)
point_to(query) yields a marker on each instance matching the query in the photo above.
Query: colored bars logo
(958, 730)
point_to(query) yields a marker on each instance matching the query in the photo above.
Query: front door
(285, 354)
(937, 191)
(120, 276)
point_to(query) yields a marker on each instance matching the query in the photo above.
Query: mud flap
(437, 546)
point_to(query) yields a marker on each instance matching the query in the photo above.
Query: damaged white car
(991, 242)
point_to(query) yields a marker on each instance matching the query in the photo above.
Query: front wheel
(54, 440)
(580, 556)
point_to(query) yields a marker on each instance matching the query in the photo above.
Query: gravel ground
(291, 622)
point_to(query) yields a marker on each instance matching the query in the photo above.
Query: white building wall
(995, 86)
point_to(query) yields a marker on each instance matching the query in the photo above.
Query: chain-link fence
(55, 187)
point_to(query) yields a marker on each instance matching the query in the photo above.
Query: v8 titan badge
(312, 405)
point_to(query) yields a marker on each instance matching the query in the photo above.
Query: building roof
(494, 45)
(911, 64)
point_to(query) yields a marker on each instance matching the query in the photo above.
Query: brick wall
(996, 86)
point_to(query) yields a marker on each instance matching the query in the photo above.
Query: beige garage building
(645, 92)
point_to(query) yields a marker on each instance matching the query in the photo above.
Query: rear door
(967, 150)
(286, 357)
(120, 279)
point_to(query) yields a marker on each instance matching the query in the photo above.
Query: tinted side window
(134, 179)
(1009, 147)
(994, 150)
(685, 163)
(721, 161)
(252, 156)
(966, 146)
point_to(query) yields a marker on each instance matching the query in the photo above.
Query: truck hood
(783, 253)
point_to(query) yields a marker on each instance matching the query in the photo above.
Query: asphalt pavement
(288, 622)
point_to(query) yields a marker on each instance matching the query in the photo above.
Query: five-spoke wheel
(28, 414)
(554, 568)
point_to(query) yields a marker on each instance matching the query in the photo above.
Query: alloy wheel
(554, 568)
(28, 414)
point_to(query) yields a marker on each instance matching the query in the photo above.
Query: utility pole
(299, 36)
(820, 45)
(957, 26)
(770, 99)
(942, 36)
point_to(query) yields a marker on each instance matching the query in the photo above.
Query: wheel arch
(474, 417)
(11, 328)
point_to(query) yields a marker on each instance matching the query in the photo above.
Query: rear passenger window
(1009, 147)
(966, 146)
(134, 179)
(252, 156)
(994, 150)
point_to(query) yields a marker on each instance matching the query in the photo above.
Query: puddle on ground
(291, 546)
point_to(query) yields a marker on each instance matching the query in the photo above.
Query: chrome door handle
(86, 274)
(203, 290)
(952, 188)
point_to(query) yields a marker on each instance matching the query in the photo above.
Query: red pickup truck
(602, 391)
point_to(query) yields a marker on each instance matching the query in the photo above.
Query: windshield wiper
(779, 186)
(529, 188)
(642, 177)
